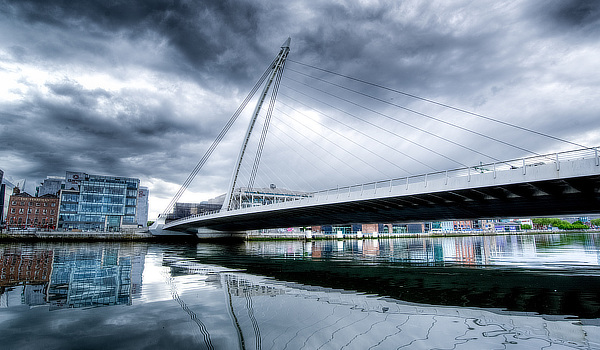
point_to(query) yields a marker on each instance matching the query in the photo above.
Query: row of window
(100, 208)
(70, 197)
(97, 198)
(35, 221)
(92, 218)
(37, 204)
(29, 211)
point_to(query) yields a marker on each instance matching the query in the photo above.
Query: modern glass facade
(98, 203)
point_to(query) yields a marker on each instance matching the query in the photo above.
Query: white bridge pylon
(275, 75)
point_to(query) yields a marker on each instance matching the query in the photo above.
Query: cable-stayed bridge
(351, 139)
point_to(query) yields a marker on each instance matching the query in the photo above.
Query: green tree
(595, 222)
(578, 225)
(560, 224)
(525, 227)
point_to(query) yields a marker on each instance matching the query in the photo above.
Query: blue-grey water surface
(490, 292)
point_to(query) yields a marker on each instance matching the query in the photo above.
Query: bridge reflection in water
(454, 292)
(464, 292)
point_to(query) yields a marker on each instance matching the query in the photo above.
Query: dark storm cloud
(66, 127)
(576, 13)
(206, 36)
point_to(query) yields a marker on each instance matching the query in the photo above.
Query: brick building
(25, 210)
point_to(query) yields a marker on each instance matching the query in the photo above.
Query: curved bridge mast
(277, 70)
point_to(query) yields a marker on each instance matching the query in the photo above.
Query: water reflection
(540, 251)
(446, 293)
(274, 314)
(70, 276)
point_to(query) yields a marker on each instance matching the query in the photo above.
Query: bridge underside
(562, 197)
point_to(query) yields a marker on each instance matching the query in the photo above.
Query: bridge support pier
(209, 234)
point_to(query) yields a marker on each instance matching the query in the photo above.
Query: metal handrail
(517, 163)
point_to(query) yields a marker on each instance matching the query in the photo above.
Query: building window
(52, 212)
(12, 210)
(51, 220)
(21, 210)
(12, 220)
(29, 211)
(45, 204)
(37, 211)
(14, 202)
(52, 204)
(30, 203)
(22, 203)
(37, 204)
(20, 221)
(44, 211)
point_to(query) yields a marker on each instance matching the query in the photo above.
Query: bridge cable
(346, 137)
(362, 133)
(386, 116)
(277, 175)
(423, 115)
(308, 151)
(220, 137)
(345, 150)
(442, 104)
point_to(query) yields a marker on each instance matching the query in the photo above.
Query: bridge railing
(519, 163)
(378, 187)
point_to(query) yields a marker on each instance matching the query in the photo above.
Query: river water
(492, 292)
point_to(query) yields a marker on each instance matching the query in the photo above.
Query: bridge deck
(568, 186)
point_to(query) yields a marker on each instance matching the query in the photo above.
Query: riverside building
(26, 211)
(99, 203)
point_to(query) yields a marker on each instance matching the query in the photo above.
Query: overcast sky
(141, 88)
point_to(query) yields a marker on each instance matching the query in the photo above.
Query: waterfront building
(488, 225)
(183, 210)
(6, 189)
(463, 225)
(24, 210)
(3, 200)
(447, 226)
(507, 226)
(369, 228)
(417, 227)
(51, 185)
(253, 197)
(98, 202)
(142, 207)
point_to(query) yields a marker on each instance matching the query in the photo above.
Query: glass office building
(98, 203)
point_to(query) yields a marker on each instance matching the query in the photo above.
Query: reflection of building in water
(30, 268)
(93, 278)
(239, 287)
(25, 267)
(69, 278)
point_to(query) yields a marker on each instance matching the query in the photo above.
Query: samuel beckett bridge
(347, 150)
